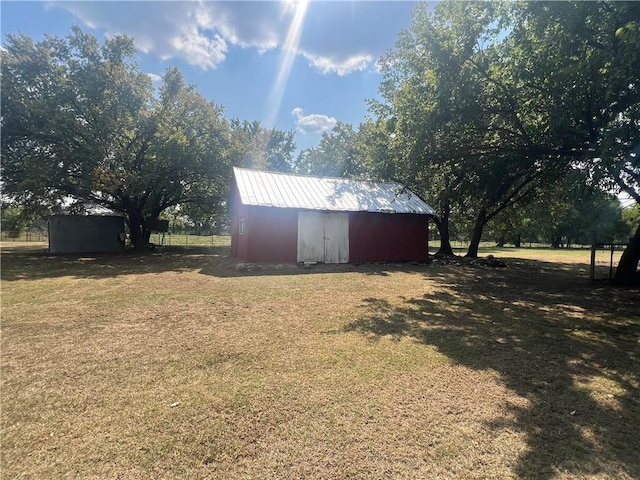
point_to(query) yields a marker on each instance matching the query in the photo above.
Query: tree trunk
(476, 235)
(442, 223)
(517, 242)
(136, 230)
(146, 236)
(556, 242)
(627, 271)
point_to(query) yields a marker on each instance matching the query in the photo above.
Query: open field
(180, 365)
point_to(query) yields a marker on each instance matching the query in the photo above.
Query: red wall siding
(271, 235)
(239, 243)
(384, 237)
(238, 211)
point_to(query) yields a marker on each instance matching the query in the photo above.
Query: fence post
(611, 263)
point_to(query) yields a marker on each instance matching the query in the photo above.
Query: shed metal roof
(271, 189)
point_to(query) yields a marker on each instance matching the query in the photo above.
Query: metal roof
(271, 189)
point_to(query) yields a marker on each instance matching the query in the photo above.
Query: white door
(310, 237)
(323, 237)
(336, 238)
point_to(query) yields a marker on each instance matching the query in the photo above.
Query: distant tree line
(515, 120)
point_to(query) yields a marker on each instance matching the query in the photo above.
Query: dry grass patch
(180, 365)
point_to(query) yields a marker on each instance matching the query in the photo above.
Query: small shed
(86, 233)
(285, 218)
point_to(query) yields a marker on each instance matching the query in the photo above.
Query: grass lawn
(182, 366)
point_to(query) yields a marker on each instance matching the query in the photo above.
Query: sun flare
(288, 54)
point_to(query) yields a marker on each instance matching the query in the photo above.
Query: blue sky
(290, 64)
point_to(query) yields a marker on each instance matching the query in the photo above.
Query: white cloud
(335, 37)
(248, 25)
(342, 67)
(154, 77)
(198, 49)
(312, 123)
(165, 29)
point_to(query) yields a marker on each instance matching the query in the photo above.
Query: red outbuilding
(284, 218)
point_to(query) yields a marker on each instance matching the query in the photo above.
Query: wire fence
(462, 245)
(604, 260)
(185, 239)
(25, 236)
(177, 239)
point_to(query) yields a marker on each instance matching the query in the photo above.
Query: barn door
(323, 237)
(336, 238)
(310, 237)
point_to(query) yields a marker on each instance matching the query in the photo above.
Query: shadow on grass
(24, 263)
(33, 263)
(28, 262)
(571, 349)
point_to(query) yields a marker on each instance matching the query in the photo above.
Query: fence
(604, 260)
(28, 236)
(463, 245)
(184, 239)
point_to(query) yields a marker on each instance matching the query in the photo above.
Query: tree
(566, 212)
(13, 221)
(334, 156)
(503, 97)
(631, 217)
(81, 124)
(384, 158)
(262, 148)
(510, 226)
(456, 119)
(594, 49)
